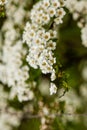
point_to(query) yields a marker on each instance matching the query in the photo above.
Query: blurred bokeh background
(67, 110)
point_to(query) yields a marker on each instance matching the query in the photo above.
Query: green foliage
(32, 124)
(2, 11)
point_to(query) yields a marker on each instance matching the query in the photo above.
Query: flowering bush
(43, 54)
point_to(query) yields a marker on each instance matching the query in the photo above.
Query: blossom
(53, 88)
(44, 10)
(14, 73)
(40, 41)
(3, 2)
(40, 52)
(7, 112)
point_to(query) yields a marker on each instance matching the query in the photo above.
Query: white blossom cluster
(40, 48)
(12, 70)
(79, 11)
(15, 10)
(3, 2)
(9, 117)
(41, 41)
(44, 10)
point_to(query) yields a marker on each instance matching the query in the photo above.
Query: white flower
(53, 34)
(51, 45)
(3, 2)
(46, 4)
(53, 88)
(53, 75)
(46, 36)
(45, 111)
(25, 95)
(60, 13)
(58, 21)
(55, 3)
(32, 62)
(51, 11)
(37, 40)
(46, 18)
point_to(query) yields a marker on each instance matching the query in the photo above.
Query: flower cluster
(41, 45)
(79, 11)
(14, 72)
(45, 10)
(8, 112)
(3, 2)
(40, 40)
